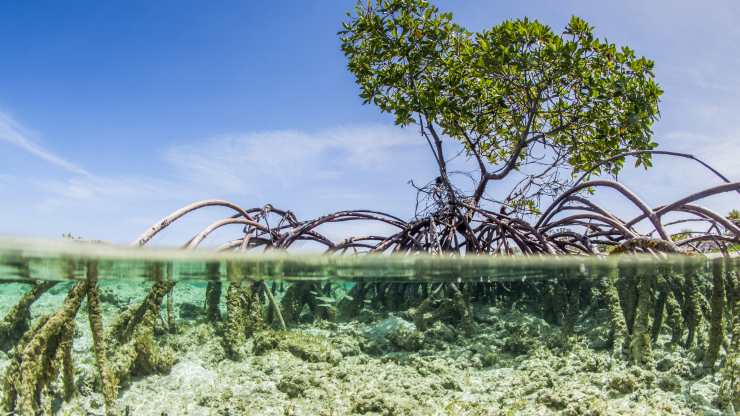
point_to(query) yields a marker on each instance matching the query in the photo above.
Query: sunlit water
(207, 333)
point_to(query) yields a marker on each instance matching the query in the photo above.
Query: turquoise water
(97, 329)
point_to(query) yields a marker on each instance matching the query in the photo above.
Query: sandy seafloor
(512, 364)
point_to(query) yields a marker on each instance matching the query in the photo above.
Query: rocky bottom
(512, 364)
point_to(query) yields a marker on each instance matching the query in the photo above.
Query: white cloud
(14, 133)
(244, 164)
(310, 173)
(89, 189)
(256, 162)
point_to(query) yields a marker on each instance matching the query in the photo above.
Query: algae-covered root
(716, 328)
(235, 328)
(131, 343)
(450, 307)
(108, 383)
(618, 332)
(16, 321)
(296, 298)
(640, 344)
(40, 355)
(691, 307)
(729, 392)
(244, 312)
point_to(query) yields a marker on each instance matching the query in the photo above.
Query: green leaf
(602, 99)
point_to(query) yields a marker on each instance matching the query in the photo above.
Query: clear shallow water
(95, 329)
(66, 260)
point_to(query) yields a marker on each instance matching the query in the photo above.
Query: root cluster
(695, 307)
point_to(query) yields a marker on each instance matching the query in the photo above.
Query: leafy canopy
(516, 94)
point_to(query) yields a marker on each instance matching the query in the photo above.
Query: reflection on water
(94, 329)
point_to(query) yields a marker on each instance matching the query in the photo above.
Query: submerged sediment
(514, 364)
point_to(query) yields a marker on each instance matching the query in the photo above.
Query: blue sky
(112, 114)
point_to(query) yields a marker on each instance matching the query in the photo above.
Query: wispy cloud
(310, 172)
(256, 162)
(248, 164)
(91, 189)
(14, 133)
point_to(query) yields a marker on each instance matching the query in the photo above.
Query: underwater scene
(100, 330)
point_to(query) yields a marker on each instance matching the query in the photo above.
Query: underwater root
(453, 307)
(717, 304)
(41, 354)
(618, 333)
(700, 310)
(729, 392)
(16, 321)
(109, 384)
(244, 313)
(275, 305)
(300, 295)
(640, 340)
(131, 346)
